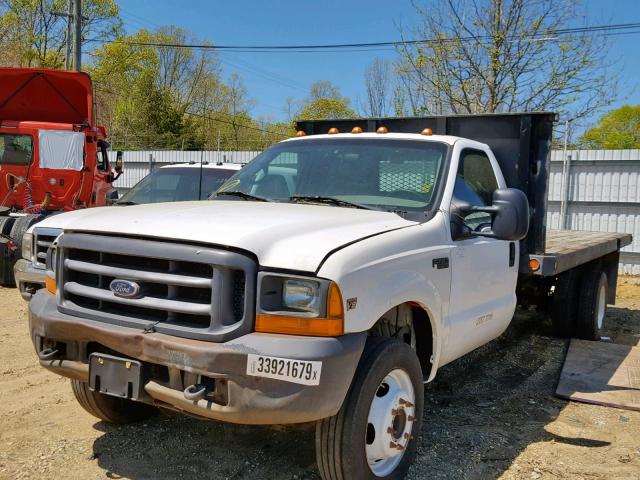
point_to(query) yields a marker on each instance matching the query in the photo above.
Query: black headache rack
(521, 143)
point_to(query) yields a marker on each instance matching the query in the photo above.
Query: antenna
(200, 179)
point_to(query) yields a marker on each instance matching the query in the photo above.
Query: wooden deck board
(562, 242)
(601, 374)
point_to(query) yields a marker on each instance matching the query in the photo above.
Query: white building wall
(603, 196)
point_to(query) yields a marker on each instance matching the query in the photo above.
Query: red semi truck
(53, 156)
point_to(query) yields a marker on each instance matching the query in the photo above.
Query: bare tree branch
(504, 55)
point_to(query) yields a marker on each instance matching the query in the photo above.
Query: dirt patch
(490, 414)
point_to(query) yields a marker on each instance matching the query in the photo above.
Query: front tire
(110, 409)
(374, 434)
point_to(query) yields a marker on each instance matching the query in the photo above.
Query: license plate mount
(115, 376)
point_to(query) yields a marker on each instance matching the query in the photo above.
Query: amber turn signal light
(332, 325)
(51, 285)
(534, 265)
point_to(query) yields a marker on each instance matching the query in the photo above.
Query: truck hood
(281, 235)
(69, 96)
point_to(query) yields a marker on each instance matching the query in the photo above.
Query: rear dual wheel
(592, 306)
(374, 435)
(579, 304)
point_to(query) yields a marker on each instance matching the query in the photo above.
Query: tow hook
(48, 353)
(196, 392)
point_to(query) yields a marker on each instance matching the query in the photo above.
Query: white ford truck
(325, 282)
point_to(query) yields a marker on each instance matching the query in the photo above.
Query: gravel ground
(491, 414)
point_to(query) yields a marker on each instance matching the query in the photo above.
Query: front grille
(42, 240)
(184, 290)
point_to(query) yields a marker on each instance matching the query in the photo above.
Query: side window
(475, 184)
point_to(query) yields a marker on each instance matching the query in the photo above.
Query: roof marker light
(300, 133)
(356, 130)
(333, 131)
(426, 131)
(382, 130)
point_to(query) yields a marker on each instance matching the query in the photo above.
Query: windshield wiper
(329, 200)
(245, 195)
(125, 203)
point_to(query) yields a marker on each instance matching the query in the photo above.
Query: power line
(237, 63)
(228, 122)
(544, 34)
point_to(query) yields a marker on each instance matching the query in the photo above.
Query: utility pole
(566, 172)
(77, 37)
(67, 57)
(218, 162)
(73, 14)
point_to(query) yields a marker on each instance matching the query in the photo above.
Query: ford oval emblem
(124, 288)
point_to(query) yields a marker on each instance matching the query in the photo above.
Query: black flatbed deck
(566, 249)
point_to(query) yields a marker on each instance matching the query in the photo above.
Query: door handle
(512, 254)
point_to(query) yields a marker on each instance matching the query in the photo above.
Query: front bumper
(28, 278)
(248, 399)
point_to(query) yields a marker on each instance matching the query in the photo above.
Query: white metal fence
(602, 194)
(603, 189)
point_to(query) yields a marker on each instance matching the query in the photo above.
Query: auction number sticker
(287, 369)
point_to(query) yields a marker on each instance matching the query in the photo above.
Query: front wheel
(374, 434)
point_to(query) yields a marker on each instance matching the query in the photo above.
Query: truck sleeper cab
(326, 281)
(53, 157)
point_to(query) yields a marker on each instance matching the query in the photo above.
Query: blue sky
(272, 77)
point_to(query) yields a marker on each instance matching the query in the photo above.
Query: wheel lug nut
(408, 436)
(407, 403)
(411, 418)
(390, 430)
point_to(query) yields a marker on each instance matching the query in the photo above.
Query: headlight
(302, 295)
(299, 306)
(27, 246)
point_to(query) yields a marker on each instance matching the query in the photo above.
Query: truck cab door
(484, 270)
(101, 178)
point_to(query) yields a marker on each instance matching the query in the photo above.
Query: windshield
(176, 184)
(394, 175)
(15, 149)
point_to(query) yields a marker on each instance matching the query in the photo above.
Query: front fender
(384, 271)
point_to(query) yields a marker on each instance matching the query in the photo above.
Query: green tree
(325, 102)
(145, 93)
(618, 129)
(326, 108)
(32, 36)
